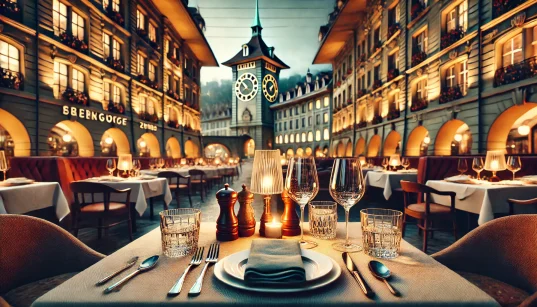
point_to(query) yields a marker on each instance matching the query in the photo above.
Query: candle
(273, 230)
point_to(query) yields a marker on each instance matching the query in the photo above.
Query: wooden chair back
(512, 202)
(410, 187)
(170, 176)
(82, 189)
(197, 174)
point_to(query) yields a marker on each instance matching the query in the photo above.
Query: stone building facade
(419, 77)
(216, 122)
(91, 78)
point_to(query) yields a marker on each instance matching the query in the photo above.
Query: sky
(291, 26)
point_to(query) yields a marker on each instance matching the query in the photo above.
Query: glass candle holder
(323, 219)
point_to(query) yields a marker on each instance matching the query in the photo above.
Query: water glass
(323, 219)
(180, 230)
(381, 232)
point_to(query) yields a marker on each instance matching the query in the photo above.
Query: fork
(196, 260)
(212, 257)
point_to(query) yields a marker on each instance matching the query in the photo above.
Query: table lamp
(217, 161)
(124, 163)
(183, 162)
(395, 161)
(494, 162)
(362, 161)
(267, 179)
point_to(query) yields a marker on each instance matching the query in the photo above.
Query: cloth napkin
(274, 262)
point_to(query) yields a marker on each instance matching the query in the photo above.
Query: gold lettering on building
(93, 115)
(270, 67)
(246, 66)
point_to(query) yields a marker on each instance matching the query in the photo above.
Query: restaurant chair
(176, 182)
(513, 202)
(427, 212)
(215, 180)
(103, 211)
(36, 257)
(499, 258)
(198, 179)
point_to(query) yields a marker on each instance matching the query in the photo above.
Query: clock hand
(245, 86)
(271, 87)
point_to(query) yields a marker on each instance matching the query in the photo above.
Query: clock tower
(256, 71)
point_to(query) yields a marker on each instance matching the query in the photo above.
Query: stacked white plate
(19, 181)
(321, 270)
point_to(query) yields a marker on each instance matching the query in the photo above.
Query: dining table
(24, 198)
(483, 198)
(389, 181)
(210, 171)
(421, 280)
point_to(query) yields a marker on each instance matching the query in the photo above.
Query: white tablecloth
(388, 180)
(209, 171)
(25, 198)
(141, 190)
(482, 199)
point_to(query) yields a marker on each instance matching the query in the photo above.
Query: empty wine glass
(302, 185)
(152, 163)
(385, 163)
(514, 165)
(477, 166)
(405, 163)
(111, 166)
(4, 164)
(462, 166)
(347, 187)
(136, 166)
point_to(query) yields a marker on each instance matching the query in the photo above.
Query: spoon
(146, 265)
(130, 263)
(380, 271)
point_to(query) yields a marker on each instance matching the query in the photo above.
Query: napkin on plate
(274, 262)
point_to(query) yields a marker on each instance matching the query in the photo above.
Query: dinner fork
(212, 257)
(196, 260)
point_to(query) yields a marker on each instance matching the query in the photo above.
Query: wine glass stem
(302, 223)
(514, 175)
(347, 227)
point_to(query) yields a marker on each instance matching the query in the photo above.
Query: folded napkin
(274, 262)
(460, 179)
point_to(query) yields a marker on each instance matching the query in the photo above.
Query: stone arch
(374, 146)
(290, 153)
(120, 139)
(444, 137)
(18, 133)
(249, 147)
(299, 152)
(348, 149)
(191, 149)
(173, 148)
(81, 135)
(152, 144)
(308, 151)
(414, 141)
(340, 150)
(360, 147)
(500, 128)
(391, 142)
(214, 150)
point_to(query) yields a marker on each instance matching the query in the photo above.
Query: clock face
(270, 88)
(246, 87)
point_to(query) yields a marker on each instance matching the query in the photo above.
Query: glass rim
(323, 203)
(180, 212)
(395, 213)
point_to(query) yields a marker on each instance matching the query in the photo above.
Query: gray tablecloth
(483, 199)
(421, 280)
(388, 181)
(25, 198)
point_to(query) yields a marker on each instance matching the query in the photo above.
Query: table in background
(420, 279)
(20, 199)
(482, 199)
(388, 180)
(209, 171)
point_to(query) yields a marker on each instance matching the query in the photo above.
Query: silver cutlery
(212, 257)
(129, 264)
(196, 260)
(353, 269)
(146, 265)
(380, 271)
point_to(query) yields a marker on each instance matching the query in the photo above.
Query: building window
(318, 135)
(61, 76)
(112, 93)
(309, 121)
(150, 106)
(78, 80)
(296, 123)
(140, 20)
(106, 45)
(318, 104)
(140, 61)
(292, 139)
(290, 124)
(512, 51)
(421, 89)
(421, 41)
(59, 16)
(310, 106)
(77, 26)
(114, 5)
(463, 76)
(458, 17)
(245, 51)
(303, 122)
(326, 101)
(296, 112)
(325, 115)
(285, 126)
(303, 136)
(116, 49)
(152, 33)
(9, 57)
(326, 134)
(310, 136)
(286, 139)
(303, 108)
(297, 138)
(318, 119)
(450, 76)
(151, 72)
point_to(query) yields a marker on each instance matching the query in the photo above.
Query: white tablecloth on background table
(25, 198)
(209, 171)
(388, 180)
(141, 190)
(482, 199)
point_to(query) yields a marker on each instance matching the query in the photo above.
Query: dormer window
(245, 50)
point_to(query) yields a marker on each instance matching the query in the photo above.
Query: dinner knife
(353, 269)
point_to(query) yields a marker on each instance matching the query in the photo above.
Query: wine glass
(136, 166)
(111, 166)
(385, 163)
(514, 165)
(152, 163)
(302, 185)
(477, 166)
(405, 163)
(347, 187)
(462, 166)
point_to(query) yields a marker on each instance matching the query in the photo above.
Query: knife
(353, 269)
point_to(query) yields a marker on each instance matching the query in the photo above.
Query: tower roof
(257, 20)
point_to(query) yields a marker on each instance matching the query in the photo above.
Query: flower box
(174, 61)
(145, 80)
(416, 10)
(75, 97)
(377, 119)
(172, 94)
(149, 117)
(73, 42)
(118, 109)
(392, 29)
(450, 93)
(377, 84)
(115, 16)
(361, 125)
(392, 74)
(361, 93)
(173, 124)
(419, 104)
(418, 57)
(10, 9)
(115, 64)
(516, 72)
(501, 7)
(450, 37)
(393, 114)
(11, 79)
(349, 71)
(338, 84)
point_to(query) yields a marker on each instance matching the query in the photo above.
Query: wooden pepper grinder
(246, 213)
(227, 224)
(290, 220)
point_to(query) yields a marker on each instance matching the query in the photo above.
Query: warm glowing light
(395, 160)
(524, 130)
(183, 161)
(458, 137)
(109, 140)
(217, 161)
(143, 144)
(494, 165)
(67, 138)
(466, 137)
(267, 182)
(427, 140)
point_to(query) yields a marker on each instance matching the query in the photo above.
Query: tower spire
(256, 24)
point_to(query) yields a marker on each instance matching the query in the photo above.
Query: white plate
(306, 286)
(316, 264)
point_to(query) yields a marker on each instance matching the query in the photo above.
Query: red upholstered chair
(499, 257)
(37, 256)
(44, 169)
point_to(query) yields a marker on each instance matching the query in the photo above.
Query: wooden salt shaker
(227, 224)
(246, 213)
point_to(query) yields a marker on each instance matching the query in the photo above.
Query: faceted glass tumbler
(381, 232)
(180, 230)
(323, 219)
